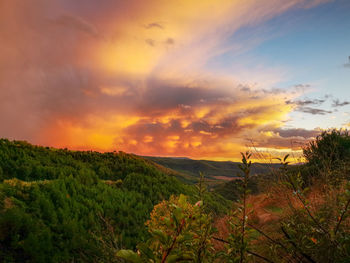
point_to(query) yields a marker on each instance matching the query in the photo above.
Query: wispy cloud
(306, 102)
(313, 111)
(305, 105)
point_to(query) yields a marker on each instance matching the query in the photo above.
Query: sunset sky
(196, 78)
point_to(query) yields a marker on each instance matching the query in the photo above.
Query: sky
(205, 79)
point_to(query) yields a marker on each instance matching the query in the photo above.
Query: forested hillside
(62, 206)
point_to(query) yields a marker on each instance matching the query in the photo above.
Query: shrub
(329, 152)
(179, 231)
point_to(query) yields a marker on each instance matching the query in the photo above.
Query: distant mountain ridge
(215, 171)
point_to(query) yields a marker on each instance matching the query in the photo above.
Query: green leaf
(129, 255)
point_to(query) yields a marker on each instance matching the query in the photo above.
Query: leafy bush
(328, 153)
(179, 232)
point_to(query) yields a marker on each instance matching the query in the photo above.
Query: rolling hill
(215, 171)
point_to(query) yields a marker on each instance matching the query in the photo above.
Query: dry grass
(268, 210)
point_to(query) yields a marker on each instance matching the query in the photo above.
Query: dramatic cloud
(128, 75)
(165, 119)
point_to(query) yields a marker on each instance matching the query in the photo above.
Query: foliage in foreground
(313, 226)
(179, 232)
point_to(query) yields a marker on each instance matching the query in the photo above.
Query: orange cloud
(215, 123)
(130, 75)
